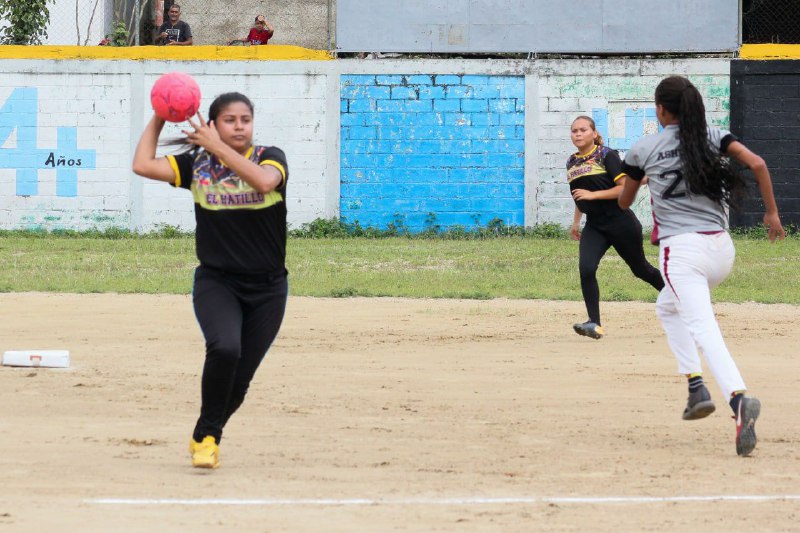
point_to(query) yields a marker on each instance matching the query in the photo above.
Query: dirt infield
(392, 414)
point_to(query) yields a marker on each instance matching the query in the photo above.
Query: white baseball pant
(692, 264)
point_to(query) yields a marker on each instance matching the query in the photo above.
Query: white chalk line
(321, 502)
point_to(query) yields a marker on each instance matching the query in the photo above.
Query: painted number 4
(20, 114)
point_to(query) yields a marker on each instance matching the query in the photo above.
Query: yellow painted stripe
(174, 53)
(770, 51)
(174, 164)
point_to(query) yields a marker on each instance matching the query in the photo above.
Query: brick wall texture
(423, 143)
(432, 150)
(765, 114)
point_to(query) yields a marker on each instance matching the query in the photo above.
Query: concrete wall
(430, 150)
(303, 23)
(765, 107)
(618, 94)
(68, 129)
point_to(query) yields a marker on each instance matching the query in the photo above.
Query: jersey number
(676, 178)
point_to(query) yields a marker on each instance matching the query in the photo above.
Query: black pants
(624, 233)
(240, 317)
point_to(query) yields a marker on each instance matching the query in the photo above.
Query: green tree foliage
(27, 21)
(118, 37)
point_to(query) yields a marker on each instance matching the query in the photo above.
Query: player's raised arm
(262, 178)
(145, 162)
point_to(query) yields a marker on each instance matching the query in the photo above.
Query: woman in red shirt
(259, 34)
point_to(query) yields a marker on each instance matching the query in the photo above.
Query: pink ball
(175, 97)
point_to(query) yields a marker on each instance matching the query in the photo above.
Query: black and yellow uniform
(606, 225)
(240, 287)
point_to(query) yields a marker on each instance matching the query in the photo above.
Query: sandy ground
(392, 414)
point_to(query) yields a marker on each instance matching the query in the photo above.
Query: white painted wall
(297, 109)
(108, 103)
(565, 89)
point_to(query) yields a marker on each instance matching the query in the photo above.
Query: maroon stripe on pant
(665, 269)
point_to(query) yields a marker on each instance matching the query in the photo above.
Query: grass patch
(538, 263)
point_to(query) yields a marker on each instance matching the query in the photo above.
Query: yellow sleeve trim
(278, 166)
(620, 175)
(175, 169)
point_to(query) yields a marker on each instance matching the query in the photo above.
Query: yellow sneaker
(204, 454)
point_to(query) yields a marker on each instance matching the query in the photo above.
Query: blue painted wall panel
(20, 113)
(424, 149)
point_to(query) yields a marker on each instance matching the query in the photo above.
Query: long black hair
(705, 169)
(220, 103)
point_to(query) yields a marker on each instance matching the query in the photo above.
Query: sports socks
(736, 399)
(695, 381)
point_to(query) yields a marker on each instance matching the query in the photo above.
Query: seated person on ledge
(259, 34)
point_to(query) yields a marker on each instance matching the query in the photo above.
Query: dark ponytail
(705, 170)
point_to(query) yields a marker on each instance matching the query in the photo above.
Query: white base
(43, 358)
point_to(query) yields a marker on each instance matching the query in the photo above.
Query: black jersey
(239, 230)
(180, 32)
(596, 171)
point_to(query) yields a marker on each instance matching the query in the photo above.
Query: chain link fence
(306, 23)
(770, 21)
(88, 22)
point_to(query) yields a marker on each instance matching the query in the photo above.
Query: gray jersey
(675, 209)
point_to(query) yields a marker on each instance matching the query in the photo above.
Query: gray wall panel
(558, 26)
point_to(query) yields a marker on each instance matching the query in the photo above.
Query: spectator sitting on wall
(175, 31)
(260, 33)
